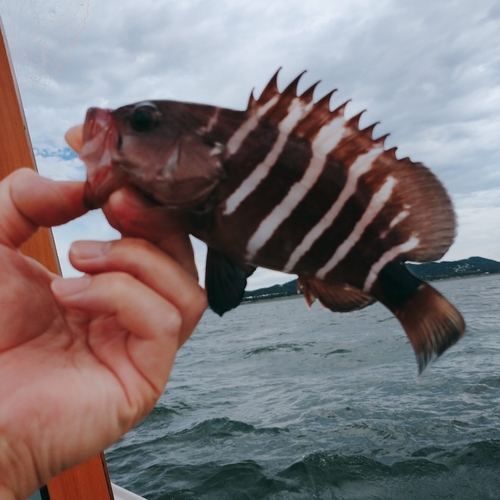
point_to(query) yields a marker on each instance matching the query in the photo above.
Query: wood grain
(87, 481)
(90, 480)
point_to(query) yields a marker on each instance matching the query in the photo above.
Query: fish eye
(144, 117)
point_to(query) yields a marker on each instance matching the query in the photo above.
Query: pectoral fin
(225, 282)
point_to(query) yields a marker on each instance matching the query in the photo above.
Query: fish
(290, 185)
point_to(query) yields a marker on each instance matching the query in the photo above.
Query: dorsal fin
(430, 217)
(321, 116)
(283, 100)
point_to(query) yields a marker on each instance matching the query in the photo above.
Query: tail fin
(431, 323)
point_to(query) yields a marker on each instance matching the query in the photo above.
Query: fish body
(288, 185)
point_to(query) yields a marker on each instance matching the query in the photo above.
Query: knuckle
(22, 173)
(200, 302)
(194, 302)
(174, 322)
(117, 281)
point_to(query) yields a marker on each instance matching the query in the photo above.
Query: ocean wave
(484, 385)
(481, 452)
(275, 348)
(222, 428)
(335, 469)
(325, 474)
(388, 318)
(337, 351)
(241, 480)
(160, 413)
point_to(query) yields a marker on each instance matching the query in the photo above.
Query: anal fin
(336, 297)
(431, 323)
(225, 282)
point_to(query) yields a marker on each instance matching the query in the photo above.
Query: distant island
(473, 266)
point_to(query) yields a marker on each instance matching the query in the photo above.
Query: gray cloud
(428, 71)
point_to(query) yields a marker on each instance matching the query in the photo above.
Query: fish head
(153, 145)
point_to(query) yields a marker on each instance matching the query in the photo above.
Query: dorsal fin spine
(341, 109)
(251, 100)
(307, 95)
(321, 106)
(368, 131)
(354, 121)
(292, 86)
(324, 102)
(270, 90)
(392, 152)
(380, 140)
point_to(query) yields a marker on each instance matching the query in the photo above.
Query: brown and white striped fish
(289, 185)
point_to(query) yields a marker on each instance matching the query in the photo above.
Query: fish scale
(290, 185)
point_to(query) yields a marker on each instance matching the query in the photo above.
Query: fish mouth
(100, 139)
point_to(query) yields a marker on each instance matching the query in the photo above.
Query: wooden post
(90, 480)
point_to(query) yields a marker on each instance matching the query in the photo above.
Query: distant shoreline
(282, 297)
(473, 267)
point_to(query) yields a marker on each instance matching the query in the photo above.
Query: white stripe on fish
(377, 203)
(401, 216)
(248, 126)
(327, 139)
(357, 169)
(387, 257)
(212, 122)
(295, 112)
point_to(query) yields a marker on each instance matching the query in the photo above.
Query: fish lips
(100, 139)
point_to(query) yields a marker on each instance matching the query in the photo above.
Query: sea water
(274, 401)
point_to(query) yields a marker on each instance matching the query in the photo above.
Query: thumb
(28, 201)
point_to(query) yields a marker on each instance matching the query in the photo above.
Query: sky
(428, 71)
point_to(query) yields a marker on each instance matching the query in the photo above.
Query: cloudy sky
(428, 71)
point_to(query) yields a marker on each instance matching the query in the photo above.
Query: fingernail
(70, 286)
(89, 249)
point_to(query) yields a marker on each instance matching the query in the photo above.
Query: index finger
(133, 215)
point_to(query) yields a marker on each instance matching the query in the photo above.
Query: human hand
(82, 360)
